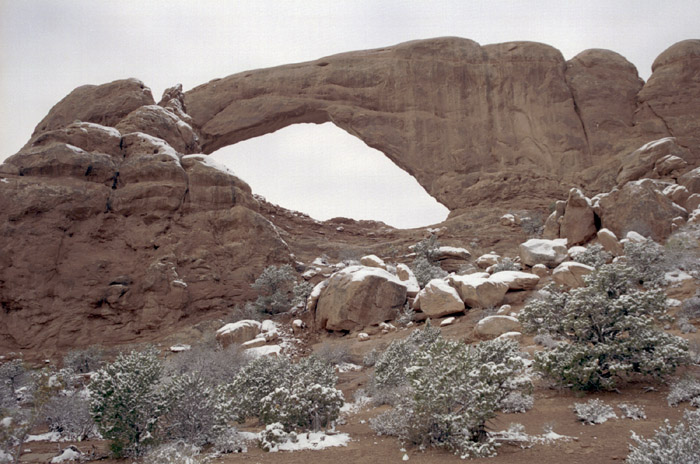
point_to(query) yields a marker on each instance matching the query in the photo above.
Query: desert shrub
(517, 401)
(69, 414)
(594, 411)
(13, 374)
(194, 415)
(684, 389)
(506, 264)
(532, 224)
(333, 354)
(681, 249)
(594, 256)
(174, 453)
(15, 426)
(249, 311)
(370, 359)
(679, 444)
(299, 395)
(229, 441)
(83, 361)
(278, 290)
(690, 309)
(425, 265)
(648, 262)
(211, 363)
(405, 316)
(452, 390)
(127, 400)
(609, 331)
(632, 411)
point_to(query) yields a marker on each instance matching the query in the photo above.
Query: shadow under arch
(324, 171)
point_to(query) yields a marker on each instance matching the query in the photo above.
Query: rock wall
(116, 228)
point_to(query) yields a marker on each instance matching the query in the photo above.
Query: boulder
(447, 321)
(574, 251)
(571, 273)
(693, 202)
(238, 332)
(373, 261)
(488, 259)
(670, 166)
(516, 280)
(552, 226)
(478, 292)
(641, 207)
(543, 251)
(493, 326)
(439, 299)
(359, 296)
(678, 194)
(578, 223)
(450, 252)
(540, 270)
(654, 159)
(610, 243)
(406, 276)
(691, 180)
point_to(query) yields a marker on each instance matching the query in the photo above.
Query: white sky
(49, 47)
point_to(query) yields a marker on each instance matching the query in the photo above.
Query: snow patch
(163, 147)
(676, 276)
(211, 163)
(655, 143)
(179, 348)
(313, 441)
(267, 350)
(69, 454)
(233, 326)
(52, 437)
(179, 283)
(110, 130)
(75, 149)
(4, 181)
(360, 273)
(348, 367)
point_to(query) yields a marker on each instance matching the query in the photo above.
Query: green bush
(127, 401)
(451, 391)
(278, 290)
(608, 328)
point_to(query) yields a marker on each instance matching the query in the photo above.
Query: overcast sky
(49, 47)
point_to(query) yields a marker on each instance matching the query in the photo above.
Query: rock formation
(116, 226)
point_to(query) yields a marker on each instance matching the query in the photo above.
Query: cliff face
(115, 229)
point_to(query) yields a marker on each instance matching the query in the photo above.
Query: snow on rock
(373, 261)
(297, 326)
(266, 350)
(238, 332)
(313, 441)
(516, 280)
(362, 337)
(445, 252)
(312, 300)
(517, 336)
(48, 436)
(493, 326)
(477, 291)
(487, 260)
(574, 251)
(439, 298)
(571, 274)
(635, 237)
(69, 454)
(254, 343)
(161, 145)
(677, 276)
(610, 243)
(406, 275)
(542, 251)
(348, 367)
(180, 347)
(447, 321)
(209, 162)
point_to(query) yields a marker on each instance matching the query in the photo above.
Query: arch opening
(325, 172)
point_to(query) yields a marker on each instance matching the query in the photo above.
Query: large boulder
(654, 159)
(516, 280)
(610, 243)
(543, 251)
(478, 291)
(691, 181)
(571, 274)
(578, 222)
(552, 226)
(359, 296)
(238, 332)
(439, 299)
(493, 326)
(641, 207)
(408, 278)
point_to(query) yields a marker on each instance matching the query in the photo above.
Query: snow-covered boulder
(571, 273)
(297, 326)
(359, 296)
(516, 280)
(312, 300)
(406, 275)
(486, 260)
(477, 291)
(574, 251)
(577, 224)
(493, 326)
(540, 270)
(541, 251)
(265, 350)
(517, 336)
(450, 252)
(238, 332)
(439, 299)
(610, 243)
(447, 321)
(373, 261)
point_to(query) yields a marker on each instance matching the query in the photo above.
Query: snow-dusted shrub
(506, 264)
(278, 289)
(690, 309)
(83, 361)
(194, 414)
(545, 340)
(594, 256)
(632, 411)
(390, 367)
(532, 224)
(594, 411)
(370, 359)
(609, 330)
(452, 390)
(425, 266)
(127, 400)
(517, 401)
(272, 436)
(229, 441)
(648, 262)
(682, 251)
(12, 375)
(405, 316)
(333, 354)
(174, 453)
(211, 363)
(679, 444)
(69, 414)
(300, 395)
(245, 313)
(15, 425)
(684, 389)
